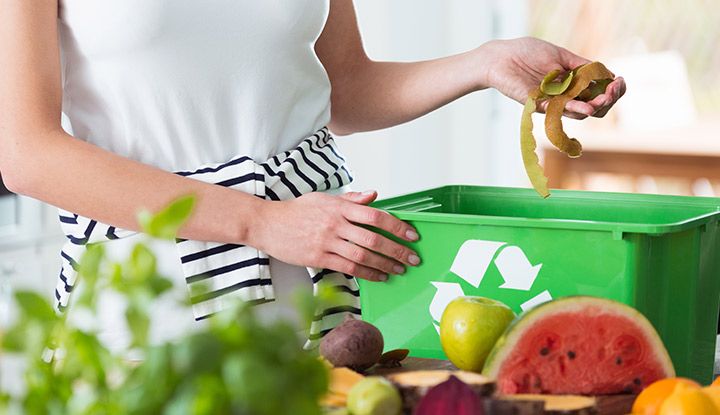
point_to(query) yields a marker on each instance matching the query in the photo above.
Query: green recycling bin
(659, 254)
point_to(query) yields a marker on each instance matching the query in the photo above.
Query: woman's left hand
(516, 67)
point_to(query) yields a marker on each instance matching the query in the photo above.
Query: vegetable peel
(583, 83)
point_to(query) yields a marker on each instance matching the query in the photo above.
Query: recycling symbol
(472, 262)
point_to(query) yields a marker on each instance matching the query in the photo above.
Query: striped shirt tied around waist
(218, 274)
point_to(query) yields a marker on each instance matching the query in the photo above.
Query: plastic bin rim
(571, 224)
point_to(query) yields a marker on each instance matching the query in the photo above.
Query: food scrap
(583, 83)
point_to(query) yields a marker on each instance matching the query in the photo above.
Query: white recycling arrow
(543, 297)
(516, 269)
(472, 262)
(473, 259)
(446, 292)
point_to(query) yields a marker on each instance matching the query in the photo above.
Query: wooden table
(607, 405)
(691, 152)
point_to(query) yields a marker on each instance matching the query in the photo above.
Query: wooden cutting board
(607, 404)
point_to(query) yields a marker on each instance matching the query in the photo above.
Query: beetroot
(450, 397)
(354, 344)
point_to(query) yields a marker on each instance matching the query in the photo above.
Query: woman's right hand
(324, 231)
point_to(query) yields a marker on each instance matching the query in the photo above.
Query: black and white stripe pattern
(218, 273)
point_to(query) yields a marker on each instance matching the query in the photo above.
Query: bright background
(667, 50)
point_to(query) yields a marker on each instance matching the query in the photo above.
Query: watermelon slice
(578, 345)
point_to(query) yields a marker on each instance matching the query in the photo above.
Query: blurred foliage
(236, 366)
(612, 28)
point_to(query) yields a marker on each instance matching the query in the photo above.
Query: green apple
(469, 328)
(374, 395)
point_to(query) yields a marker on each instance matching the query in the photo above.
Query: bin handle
(415, 205)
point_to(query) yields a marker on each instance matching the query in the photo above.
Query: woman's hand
(515, 67)
(323, 231)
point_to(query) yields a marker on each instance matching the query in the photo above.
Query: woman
(157, 88)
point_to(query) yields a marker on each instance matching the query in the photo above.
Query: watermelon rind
(504, 347)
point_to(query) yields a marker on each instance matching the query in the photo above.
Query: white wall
(471, 141)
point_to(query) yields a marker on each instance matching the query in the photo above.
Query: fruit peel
(583, 83)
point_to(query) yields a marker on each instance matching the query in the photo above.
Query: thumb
(363, 198)
(570, 60)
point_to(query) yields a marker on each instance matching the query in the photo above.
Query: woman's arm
(369, 95)
(38, 159)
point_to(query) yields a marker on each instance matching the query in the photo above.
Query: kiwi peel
(583, 83)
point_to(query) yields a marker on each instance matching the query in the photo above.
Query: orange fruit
(650, 399)
(688, 400)
(714, 393)
(716, 382)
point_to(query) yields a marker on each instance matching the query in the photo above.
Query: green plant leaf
(142, 264)
(15, 339)
(160, 285)
(35, 306)
(139, 324)
(237, 364)
(166, 223)
(89, 266)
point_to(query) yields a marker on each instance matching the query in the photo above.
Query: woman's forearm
(383, 94)
(370, 95)
(82, 178)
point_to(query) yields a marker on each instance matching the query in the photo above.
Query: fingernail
(414, 259)
(368, 192)
(412, 235)
(382, 277)
(399, 269)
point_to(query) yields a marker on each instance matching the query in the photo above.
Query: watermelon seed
(544, 351)
(629, 389)
(618, 361)
(571, 355)
(637, 381)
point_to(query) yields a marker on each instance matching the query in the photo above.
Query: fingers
(375, 242)
(602, 103)
(605, 101)
(577, 110)
(617, 87)
(363, 198)
(381, 220)
(598, 106)
(367, 258)
(356, 251)
(346, 266)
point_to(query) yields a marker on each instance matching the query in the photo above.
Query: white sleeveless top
(181, 83)
(177, 84)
